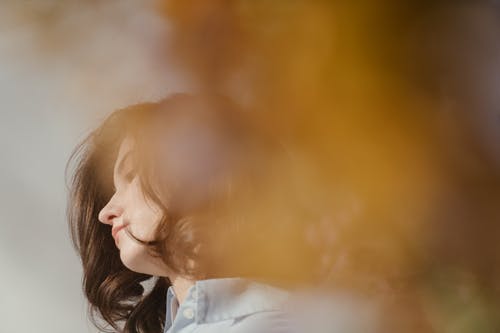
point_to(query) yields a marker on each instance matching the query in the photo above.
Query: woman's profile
(177, 192)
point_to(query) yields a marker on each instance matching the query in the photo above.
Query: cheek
(143, 226)
(144, 216)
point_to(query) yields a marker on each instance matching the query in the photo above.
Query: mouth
(116, 229)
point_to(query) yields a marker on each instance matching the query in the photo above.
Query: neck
(181, 286)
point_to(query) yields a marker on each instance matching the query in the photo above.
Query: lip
(116, 229)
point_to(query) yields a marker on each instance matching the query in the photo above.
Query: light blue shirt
(232, 305)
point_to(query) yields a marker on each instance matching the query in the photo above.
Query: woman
(188, 194)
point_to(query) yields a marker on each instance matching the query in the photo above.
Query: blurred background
(390, 109)
(63, 67)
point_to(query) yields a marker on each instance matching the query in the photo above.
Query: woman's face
(130, 212)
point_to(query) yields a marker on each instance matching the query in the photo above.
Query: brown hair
(108, 285)
(207, 210)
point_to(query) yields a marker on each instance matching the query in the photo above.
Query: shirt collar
(228, 298)
(172, 307)
(221, 299)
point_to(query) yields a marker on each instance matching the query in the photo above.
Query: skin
(130, 210)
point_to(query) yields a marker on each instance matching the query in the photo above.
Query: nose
(109, 213)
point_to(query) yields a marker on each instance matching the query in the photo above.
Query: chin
(136, 258)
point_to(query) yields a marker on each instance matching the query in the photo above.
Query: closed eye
(130, 175)
(126, 169)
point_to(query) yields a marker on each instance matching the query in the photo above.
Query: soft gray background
(63, 67)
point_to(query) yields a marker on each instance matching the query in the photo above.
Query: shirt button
(188, 313)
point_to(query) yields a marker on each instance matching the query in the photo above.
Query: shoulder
(275, 321)
(245, 306)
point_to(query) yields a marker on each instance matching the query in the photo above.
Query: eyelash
(129, 176)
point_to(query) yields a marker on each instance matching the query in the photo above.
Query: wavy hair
(206, 210)
(114, 292)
